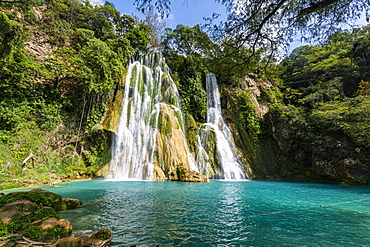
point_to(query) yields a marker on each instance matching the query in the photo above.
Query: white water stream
(134, 144)
(228, 165)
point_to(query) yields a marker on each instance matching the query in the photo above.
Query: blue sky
(186, 12)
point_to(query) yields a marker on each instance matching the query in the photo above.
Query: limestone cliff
(170, 146)
(324, 156)
(286, 149)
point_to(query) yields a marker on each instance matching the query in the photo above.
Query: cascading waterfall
(148, 90)
(133, 145)
(227, 165)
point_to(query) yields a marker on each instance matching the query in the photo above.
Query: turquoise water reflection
(249, 213)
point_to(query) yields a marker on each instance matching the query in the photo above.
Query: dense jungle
(305, 116)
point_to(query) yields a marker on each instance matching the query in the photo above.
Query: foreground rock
(186, 175)
(30, 219)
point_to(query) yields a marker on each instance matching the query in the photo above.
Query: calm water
(219, 213)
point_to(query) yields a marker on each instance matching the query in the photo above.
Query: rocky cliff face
(325, 156)
(245, 108)
(171, 150)
(285, 149)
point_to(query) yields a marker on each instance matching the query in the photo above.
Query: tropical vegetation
(62, 63)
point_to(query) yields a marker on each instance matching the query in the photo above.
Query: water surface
(221, 213)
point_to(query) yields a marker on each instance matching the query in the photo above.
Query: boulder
(23, 205)
(17, 208)
(42, 203)
(41, 197)
(66, 224)
(100, 238)
(72, 203)
(49, 223)
(69, 241)
(186, 175)
(52, 222)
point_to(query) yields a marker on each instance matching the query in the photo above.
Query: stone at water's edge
(186, 175)
(27, 212)
(72, 203)
(99, 238)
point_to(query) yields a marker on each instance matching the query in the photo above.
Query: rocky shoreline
(30, 219)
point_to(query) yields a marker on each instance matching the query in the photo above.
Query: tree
(187, 41)
(187, 51)
(271, 24)
(333, 68)
(156, 32)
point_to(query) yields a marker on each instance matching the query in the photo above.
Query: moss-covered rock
(99, 238)
(72, 203)
(186, 175)
(42, 198)
(31, 216)
(171, 146)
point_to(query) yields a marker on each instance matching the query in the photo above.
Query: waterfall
(226, 164)
(148, 91)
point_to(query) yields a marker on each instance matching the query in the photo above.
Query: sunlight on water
(221, 213)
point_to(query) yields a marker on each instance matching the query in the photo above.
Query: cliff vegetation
(61, 64)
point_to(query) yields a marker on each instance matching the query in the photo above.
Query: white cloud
(96, 2)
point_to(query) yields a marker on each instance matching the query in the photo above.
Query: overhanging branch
(315, 7)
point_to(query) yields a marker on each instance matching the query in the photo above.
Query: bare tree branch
(314, 7)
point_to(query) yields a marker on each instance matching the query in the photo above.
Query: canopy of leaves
(329, 84)
(269, 25)
(329, 70)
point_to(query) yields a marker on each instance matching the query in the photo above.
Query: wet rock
(72, 203)
(190, 176)
(99, 238)
(69, 241)
(52, 222)
(17, 208)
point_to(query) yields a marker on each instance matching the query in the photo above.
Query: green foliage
(186, 51)
(187, 41)
(10, 36)
(102, 235)
(266, 25)
(248, 116)
(21, 222)
(52, 102)
(34, 233)
(350, 117)
(364, 88)
(3, 229)
(24, 6)
(289, 114)
(44, 199)
(326, 88)
(330, 70)
(56, 232)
